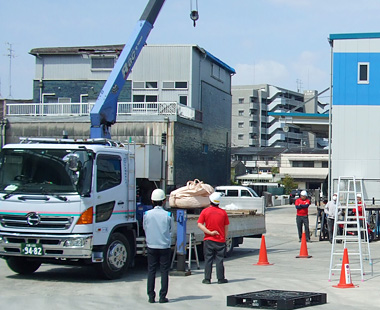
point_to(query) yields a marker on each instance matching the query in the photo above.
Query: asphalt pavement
(62, 287)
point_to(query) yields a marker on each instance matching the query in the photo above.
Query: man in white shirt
(330, 209)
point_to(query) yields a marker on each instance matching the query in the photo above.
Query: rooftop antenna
(194, 15)
(10, 55)
(299, 85)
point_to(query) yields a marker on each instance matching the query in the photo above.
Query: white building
(356, 109)
(254, 126)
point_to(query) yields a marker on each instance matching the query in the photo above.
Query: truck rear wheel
(22, 265)
(117, 257)
(230, 243)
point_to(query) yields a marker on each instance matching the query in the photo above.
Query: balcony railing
(83, 109)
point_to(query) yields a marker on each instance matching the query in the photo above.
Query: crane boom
(103, 114)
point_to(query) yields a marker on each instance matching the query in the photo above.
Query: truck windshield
(45, 171)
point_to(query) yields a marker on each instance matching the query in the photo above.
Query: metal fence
(80, 109)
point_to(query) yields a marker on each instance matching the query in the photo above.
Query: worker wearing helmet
(213, 221)
(158, 226)
(330, 210)
(360, 205)
(302, 205)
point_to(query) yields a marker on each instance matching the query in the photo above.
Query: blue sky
(277, 42)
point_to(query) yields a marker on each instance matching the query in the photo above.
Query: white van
(240, 198)
(236, 191)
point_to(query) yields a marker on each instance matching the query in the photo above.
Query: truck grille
(35, 221)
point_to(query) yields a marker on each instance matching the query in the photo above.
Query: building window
(138, 98)
(138, 85)
(151, 98)
(174, 85)
(217, 72)
(241, 100)
(180, 84)
(240, 137)
(183, 100)
(102, 63)
(151, 85)
(325, 164)
(168, 85)
(205, 148)
(143, 98)
(241, 125)
(64, 100)
(303, 164)
(241, 112)
(144, 85)
(363, 73)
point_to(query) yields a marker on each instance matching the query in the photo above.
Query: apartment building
(252, 126)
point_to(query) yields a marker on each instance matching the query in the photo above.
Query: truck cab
(68, 202)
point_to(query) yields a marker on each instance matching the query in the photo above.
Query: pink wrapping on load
(193, 195)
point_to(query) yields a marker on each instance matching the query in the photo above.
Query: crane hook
(194, 15)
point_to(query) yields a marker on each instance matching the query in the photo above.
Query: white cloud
(264, 72)
(313, 70)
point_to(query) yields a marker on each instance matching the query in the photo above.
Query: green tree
(288, 183)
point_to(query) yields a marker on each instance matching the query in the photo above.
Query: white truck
(74, 202)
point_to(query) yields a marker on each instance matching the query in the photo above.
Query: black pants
(305, 221)
(330, 224)
(158, 257)
(214, 251)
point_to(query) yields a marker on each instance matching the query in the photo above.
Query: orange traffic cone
(263, 259)
(303, 250)
(345, 274)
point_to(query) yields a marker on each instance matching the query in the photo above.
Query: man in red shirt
(214, 222)
(302, 205)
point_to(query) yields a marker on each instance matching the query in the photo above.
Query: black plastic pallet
(276, 299)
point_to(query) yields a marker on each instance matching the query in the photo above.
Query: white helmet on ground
(304, 193)
(215, 198)
(158, 195)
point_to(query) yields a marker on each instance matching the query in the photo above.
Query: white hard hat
(359, 195)
(303, 193)
(215, 198)
(158, 195)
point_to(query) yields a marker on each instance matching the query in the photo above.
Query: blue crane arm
(103, 114)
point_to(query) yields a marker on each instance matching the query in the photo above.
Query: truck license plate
(32, 249)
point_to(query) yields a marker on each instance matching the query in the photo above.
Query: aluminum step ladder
(354, 235)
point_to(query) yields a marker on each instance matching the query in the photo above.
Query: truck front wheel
(22, 265)
(116, 257)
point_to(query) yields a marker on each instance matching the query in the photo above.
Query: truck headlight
(75, 242)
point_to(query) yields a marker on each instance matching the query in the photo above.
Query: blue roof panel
(345, 36)
(220, 63)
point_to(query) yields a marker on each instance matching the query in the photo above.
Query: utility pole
(10, 55)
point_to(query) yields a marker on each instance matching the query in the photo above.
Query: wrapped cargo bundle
(193, 195)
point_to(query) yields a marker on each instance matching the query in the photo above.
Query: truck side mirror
(72, 161)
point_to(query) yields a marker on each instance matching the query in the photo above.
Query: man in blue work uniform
(158, 226)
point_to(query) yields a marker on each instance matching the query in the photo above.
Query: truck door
(110, 188)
